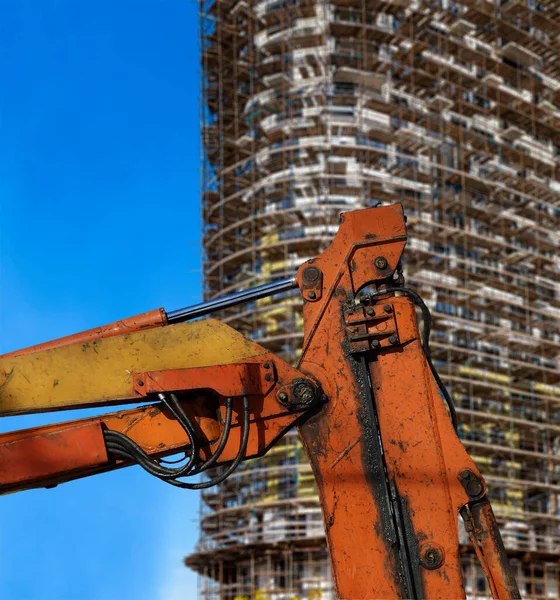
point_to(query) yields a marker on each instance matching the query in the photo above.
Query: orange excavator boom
(374, 417)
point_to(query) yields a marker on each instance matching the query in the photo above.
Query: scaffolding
(315, 107)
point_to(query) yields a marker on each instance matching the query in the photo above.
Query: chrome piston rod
(205, 308)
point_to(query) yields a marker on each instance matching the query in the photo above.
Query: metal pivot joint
(472, 484)
(300, 393)
(312, 283)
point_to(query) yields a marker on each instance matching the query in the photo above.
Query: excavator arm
(376, 421)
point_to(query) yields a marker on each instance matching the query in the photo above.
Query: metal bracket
(371, 327)
(238, 379)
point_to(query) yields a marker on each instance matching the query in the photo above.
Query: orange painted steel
(246, 378)
(391, 472)
(36, 454)
(387, 461)
(147, 320)
(362, 559)
(425, 457)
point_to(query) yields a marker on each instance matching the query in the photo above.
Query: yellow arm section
(99, 372)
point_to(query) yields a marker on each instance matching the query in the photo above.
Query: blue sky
(99, 219)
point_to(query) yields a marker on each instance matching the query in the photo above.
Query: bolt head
(311, 274)
(370, 311)
(268, 377)
(283, 396)
(375, 343)
(465, 474)
(303, 392)
(140, 382)
(393, 339)
(474, 488)
(381, 262)
(266, 365)
(311, 294)
(387, 308)
(432, 557)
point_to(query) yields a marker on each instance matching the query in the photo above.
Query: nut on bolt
(474, 488)
(431, 556)
(472, 484)
(381, 262)
(302, 392)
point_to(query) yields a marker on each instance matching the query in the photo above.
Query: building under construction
(315, 107)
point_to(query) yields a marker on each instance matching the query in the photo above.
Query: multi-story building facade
(315, 107)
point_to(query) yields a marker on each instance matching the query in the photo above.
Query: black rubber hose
(116, 441)
(120, 445)
(152, 466)
(223, 441)
(177, 411)
(240, 456)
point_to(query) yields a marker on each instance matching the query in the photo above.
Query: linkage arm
(219, 398)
